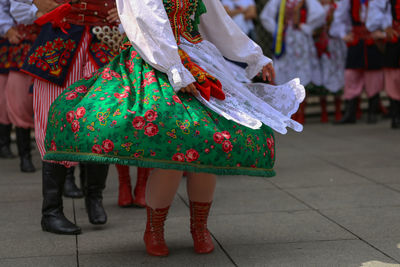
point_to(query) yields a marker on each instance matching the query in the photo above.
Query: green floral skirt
(128, 113)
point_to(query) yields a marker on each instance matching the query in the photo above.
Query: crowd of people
(167, 86)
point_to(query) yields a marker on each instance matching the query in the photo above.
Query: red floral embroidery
(80, 112)
(226, 134)
(120, 96)
(106, 74)
(227, 146)
(115, 74)
(178, 157)
(138, 123)
(150, 115)
(218, 138)
(53, 145)
(71, 95)
(70, 116)
(151, 129)
(177, 99)
(270, 143)
(75, 126)
(96, 149)
(81, 89)
(107, 145)
(192, 155)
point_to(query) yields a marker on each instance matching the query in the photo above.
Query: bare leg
(201, 186)
(161, 187)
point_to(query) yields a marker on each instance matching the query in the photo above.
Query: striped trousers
(44, 93)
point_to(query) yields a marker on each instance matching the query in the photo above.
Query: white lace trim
(247, 104)
(255, 68)
(179, 77)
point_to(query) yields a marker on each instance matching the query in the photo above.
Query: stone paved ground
(334, 202)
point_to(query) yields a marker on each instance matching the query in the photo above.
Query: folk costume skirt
(128, 113)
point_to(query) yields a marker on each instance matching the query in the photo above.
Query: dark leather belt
(90, 12)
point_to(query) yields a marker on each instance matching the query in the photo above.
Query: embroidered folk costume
(15, 100)
(331, 58)
(364, 58)
(134, 112)
(384, 15)
(292, 23)
(131, 111)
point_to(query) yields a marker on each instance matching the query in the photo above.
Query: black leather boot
(70, 188)
(373, 106)
(53, 219)
(350, 112)
(395, 112)
(95, 180)
(24, 149)
(5, 140)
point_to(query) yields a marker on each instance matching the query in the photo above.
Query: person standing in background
(243, 12)
(332, 57)
(364, 58)
(70, 46)
(16, 103)
(292, 23)
(383, 21)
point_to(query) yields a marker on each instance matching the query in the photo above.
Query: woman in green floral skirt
(170, 101)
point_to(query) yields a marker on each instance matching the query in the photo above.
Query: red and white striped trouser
(44, 93)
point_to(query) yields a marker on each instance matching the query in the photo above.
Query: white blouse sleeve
(148, 28)
(341, 24)
(379, 15)
(23, 11)
(268, 15)
(6, 21)
(217, 27)
(316, 17)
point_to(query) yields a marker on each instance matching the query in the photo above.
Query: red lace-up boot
(338, 108)
(125, 198)
(140, 187)
(324, 111)
(198, 227)
(154, 234)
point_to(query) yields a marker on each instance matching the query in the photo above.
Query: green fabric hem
(146, 163)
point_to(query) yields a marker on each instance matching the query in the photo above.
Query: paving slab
(128, 236)
(59, 261)
(347, 196)
(394, 186)
(275, 227)
(368, 223)
(349, 253)
(390, 246)
(381, 175)
(21, 234)
(178, 257)
(321, 177)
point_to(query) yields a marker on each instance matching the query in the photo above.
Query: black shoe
(350, 112)
(5, 140)
(95, 181)
(373, 106)
(58, 224)
(53, 218)
(70, 188)
(395, 113)
(24, 149)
